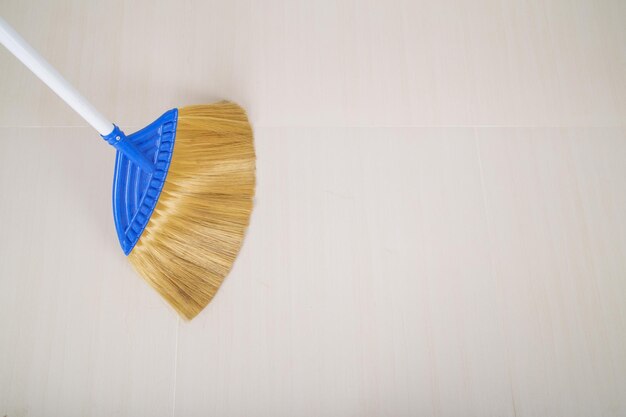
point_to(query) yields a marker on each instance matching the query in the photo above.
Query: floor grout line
(175, 367)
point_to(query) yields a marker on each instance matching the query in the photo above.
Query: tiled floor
(439, 228)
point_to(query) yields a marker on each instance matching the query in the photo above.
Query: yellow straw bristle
(198, 224)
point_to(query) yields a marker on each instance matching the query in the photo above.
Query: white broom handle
(46, 73)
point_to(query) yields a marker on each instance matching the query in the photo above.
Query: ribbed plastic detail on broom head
(141, 166)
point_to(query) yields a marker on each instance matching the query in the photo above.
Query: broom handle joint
(46, 73)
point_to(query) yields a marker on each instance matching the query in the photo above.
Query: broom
(182, 188)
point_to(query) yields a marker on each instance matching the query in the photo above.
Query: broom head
(182, 221)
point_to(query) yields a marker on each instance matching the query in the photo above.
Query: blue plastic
(141, 166)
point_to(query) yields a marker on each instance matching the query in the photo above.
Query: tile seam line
(352, 126)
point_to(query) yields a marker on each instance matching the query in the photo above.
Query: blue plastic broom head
(141, 166)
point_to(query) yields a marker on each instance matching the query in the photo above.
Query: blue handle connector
(141, 166)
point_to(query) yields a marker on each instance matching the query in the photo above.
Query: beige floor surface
(439, 227)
